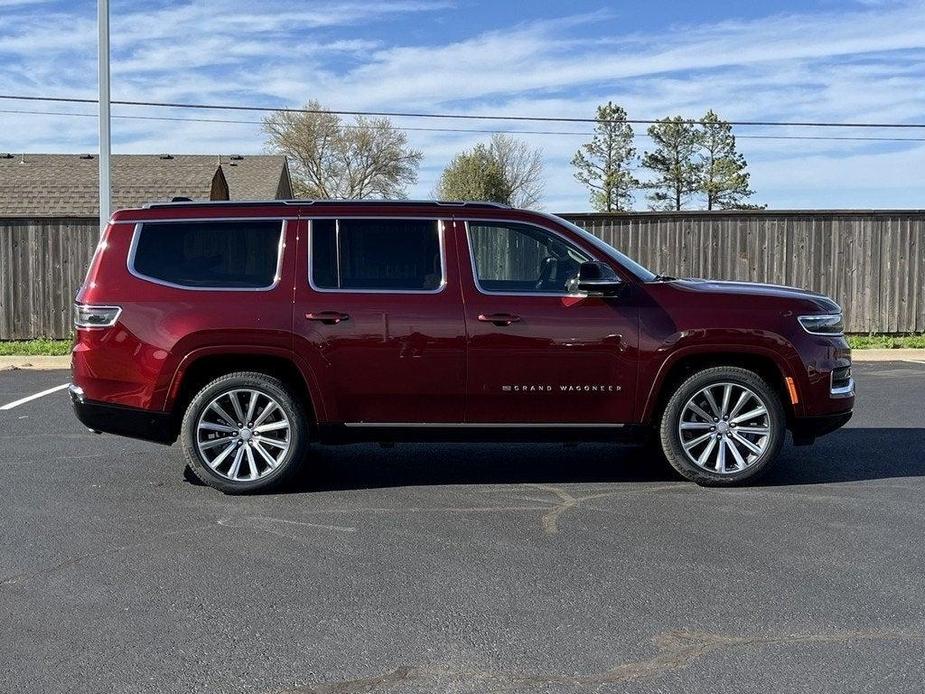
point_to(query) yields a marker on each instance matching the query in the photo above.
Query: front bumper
(805, 430)
(101, 417)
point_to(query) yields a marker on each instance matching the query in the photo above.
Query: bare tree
(369, 158)
(503, 170)
(474, 175)
(522, 167)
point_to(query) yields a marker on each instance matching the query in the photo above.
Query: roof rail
(263, 203)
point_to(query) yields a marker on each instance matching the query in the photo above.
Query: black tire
(670, 436)
(290, 405)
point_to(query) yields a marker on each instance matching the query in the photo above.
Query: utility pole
(105, 137)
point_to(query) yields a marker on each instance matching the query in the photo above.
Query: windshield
(635, 268)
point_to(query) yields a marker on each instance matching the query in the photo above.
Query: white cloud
(860, 64)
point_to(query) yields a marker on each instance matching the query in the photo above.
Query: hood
(756, 290)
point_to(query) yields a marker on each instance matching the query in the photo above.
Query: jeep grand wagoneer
(252, 331)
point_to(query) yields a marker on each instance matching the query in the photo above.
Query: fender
(311, 383)
(784, 361)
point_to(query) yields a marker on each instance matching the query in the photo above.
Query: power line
(343, 125)
(457, 116)
(582, 133)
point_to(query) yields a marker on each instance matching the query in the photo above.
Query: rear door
(378, 317)
(539, 354)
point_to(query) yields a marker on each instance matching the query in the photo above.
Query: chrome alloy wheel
(243, 434)
(724, 428)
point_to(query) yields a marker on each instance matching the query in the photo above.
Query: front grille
(841, 377)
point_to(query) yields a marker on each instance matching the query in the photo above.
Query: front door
(378, 318)
(539, 354)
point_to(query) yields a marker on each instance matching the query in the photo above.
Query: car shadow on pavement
(852, 455)
(369, 466)
(847, 455)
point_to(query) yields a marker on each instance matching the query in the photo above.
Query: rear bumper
(102, 417)
(806, 429)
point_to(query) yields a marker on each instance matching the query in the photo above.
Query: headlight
(95, 316)
(823, 324)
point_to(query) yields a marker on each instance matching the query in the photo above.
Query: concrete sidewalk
(35, 362)
(889, 355)
(859, 355)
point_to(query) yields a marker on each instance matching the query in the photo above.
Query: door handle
(328, 317)
(499, 318)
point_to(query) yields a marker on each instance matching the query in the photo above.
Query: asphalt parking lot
(464, 568)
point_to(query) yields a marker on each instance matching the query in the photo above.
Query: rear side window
(215, 255)
(376, 254)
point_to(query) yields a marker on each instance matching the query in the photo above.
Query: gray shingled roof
(65, 185)
(257, 177)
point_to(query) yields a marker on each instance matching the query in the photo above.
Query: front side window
(376, 255)
(209, 255)
(520, 258)
(622, 259)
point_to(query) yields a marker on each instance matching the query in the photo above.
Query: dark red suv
(251, 330)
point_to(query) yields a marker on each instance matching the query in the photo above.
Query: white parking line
(913, 361)
(22, 401)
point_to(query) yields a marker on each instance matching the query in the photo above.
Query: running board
(389, 432)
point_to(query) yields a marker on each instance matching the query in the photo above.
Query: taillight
(95, 316)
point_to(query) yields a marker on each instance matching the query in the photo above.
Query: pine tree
(605, 163)
(724, 180)
(675, 163)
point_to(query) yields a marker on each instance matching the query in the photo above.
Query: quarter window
(215, 255)
(376, 254)
(519, 258)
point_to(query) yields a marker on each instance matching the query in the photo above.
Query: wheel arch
(771, 366)
(202, 366)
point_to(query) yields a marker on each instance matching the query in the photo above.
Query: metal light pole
(105, 140)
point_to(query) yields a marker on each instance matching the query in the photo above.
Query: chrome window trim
(441, 241)
(130, 261)
(486, 425)
(475, 273)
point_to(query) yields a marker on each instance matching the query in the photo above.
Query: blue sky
(824, 60)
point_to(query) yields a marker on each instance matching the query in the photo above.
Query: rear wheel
(722, 426)
(244, 432)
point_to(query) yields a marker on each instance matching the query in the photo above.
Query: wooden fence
(42, 265)
(871, 262)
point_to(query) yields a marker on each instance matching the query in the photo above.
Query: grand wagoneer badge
(563, 388)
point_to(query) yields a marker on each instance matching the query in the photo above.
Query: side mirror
(597, 279)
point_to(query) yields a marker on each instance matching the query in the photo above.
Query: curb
(866, 355)
(38, 363)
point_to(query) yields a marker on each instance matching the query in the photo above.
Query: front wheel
(244, 432)
(722, 426)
